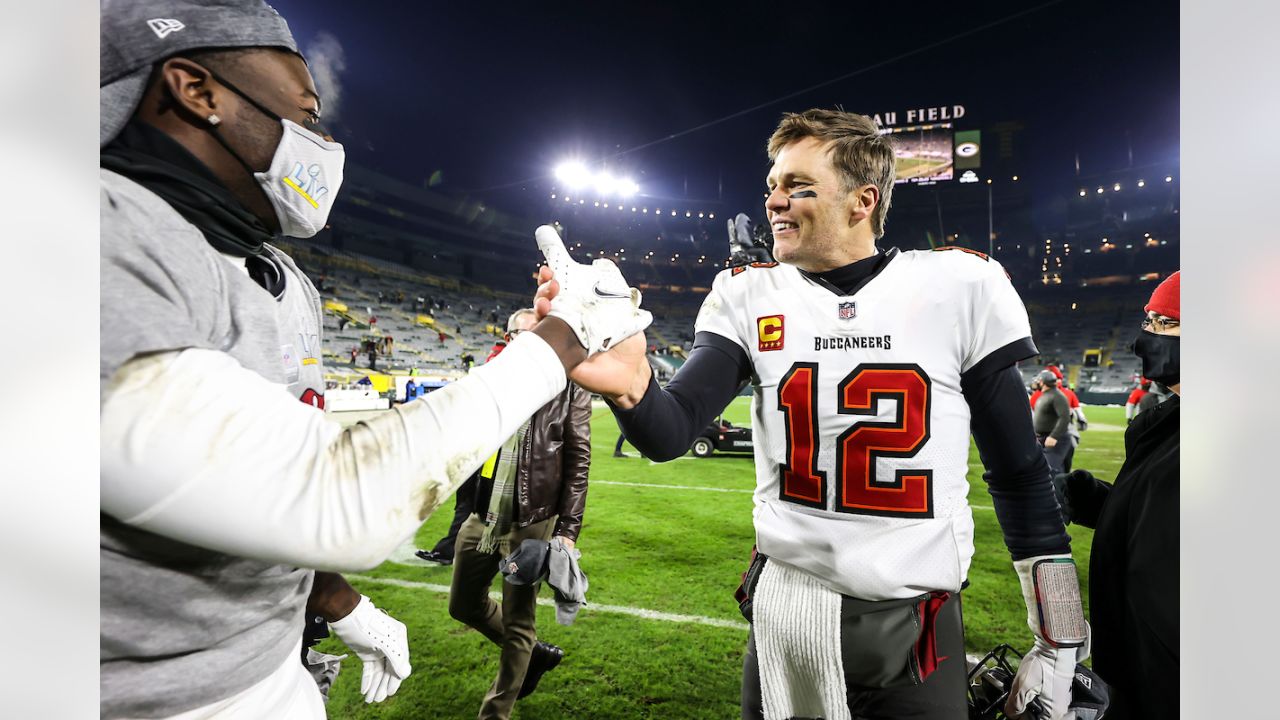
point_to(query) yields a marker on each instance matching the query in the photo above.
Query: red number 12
(910, 492)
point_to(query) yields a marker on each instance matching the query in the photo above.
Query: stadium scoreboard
(929, 152)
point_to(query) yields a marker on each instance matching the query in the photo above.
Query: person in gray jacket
(226, 494)
(1052, 421)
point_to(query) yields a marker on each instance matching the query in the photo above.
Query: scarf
(159, 163)
(497, 521)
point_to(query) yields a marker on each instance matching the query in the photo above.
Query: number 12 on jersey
(910, 492)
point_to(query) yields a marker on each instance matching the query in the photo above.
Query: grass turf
(667, 550)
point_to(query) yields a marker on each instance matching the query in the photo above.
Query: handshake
(593, 300)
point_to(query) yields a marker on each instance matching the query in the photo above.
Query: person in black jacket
(1133, 571)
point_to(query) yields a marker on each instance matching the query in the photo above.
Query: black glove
(1077, 491)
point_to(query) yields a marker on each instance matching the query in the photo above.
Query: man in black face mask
(1133, 571)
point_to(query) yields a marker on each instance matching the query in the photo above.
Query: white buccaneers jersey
(861, 432)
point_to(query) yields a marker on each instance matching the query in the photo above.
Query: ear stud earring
(214, 119)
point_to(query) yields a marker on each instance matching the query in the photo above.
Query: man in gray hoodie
(1052, 420)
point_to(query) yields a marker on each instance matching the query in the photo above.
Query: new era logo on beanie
(163, 26)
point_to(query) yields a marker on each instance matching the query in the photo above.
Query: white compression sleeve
(197, 448)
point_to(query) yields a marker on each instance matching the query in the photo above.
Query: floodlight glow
(628, 187)
(605, 183)
(1142, 183)
(573, 174)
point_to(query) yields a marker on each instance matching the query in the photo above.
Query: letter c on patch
(770, 331)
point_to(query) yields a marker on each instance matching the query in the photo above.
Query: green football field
(920, 167)
(661, 637)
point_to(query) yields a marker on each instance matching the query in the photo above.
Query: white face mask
(303, 180)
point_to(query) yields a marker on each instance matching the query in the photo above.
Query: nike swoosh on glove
(382, 643)
(1041, 689)
(594, 299)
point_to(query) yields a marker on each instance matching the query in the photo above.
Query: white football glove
(1041, 688)
(382, 643)
(594, 299)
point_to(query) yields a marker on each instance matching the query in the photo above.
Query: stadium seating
(472, 318)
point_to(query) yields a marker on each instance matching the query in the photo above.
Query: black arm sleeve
(1016, 472)
(665, 422)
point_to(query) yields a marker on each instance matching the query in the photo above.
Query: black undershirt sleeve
(665, 422)
(1017, 474)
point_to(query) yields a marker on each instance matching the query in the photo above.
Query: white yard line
(669, 487)
(709, 489)
(590, 607)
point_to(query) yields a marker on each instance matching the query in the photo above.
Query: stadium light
(553, 196)
(673, 213)
(573, 174)
(1015, 178)
(1100, 190)
(1142, 183)
(628, 187)
(713, 216)
(566, 198)
(1083, 193)
(606, 206)
(1168, 178)
(1116, 187)
(688, 214)
(699, 214)
(646, 210)
(597, 203)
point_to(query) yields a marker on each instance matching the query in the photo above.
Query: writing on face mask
(306, 182)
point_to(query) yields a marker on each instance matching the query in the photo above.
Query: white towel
(797, 633)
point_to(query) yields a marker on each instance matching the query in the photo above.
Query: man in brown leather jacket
(535, 487)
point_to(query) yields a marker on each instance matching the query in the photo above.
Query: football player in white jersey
(869, 369)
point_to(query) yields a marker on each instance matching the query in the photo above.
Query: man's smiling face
(807, 207)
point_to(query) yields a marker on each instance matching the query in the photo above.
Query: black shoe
(545, 656)
(619, 453)
(432, 556)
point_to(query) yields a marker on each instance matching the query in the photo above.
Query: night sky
(485, 95)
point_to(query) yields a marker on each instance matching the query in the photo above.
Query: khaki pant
(511, 625)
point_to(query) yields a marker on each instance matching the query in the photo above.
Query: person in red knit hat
(1133, 568)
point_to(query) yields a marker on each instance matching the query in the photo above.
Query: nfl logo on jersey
(848, 310)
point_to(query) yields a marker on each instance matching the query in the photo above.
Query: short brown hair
(860, 154)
